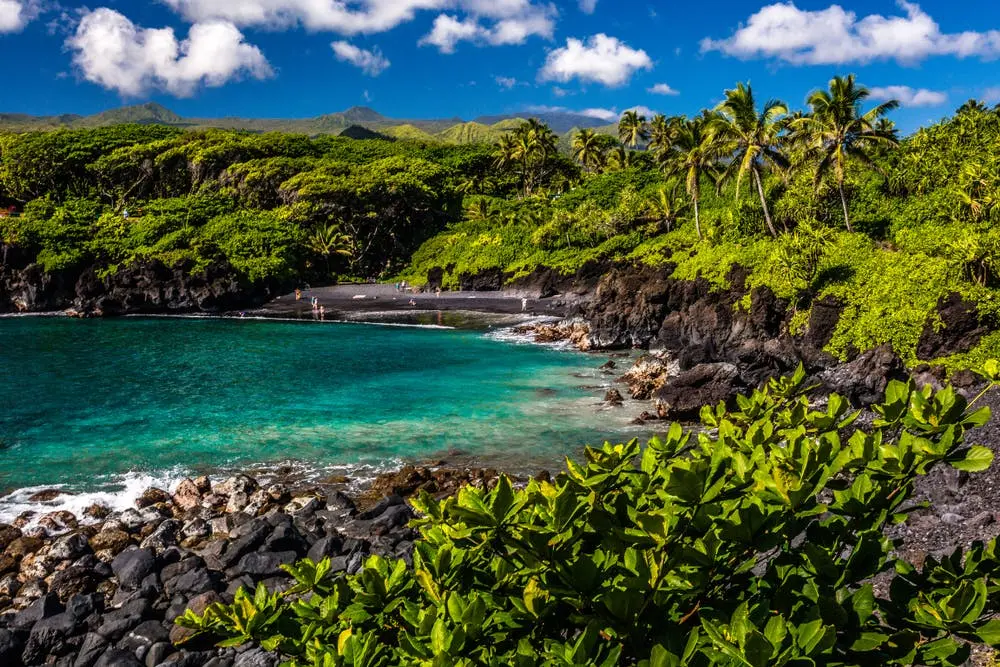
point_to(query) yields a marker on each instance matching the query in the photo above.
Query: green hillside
(408, 132)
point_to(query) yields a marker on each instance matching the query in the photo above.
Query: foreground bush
(753, 542)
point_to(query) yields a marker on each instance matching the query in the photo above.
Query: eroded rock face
(707, 384)
(148, 288)
(961, 329)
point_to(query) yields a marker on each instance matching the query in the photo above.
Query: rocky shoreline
(103, 589)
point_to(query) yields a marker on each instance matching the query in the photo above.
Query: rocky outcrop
(706, 384)
(961, 328)
(108, 593)
(151, 287)
(707, 344)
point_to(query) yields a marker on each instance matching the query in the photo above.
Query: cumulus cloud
(992, 95)
(511, 25)
(484, 21)
(602, 59)
(16, 14)
(588, 6)
(111, 51)
(910, 97)
(505, 82)
(662, 89)
(836, 36)
(371, 62)
(607, 115)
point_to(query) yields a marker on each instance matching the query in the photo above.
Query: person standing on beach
(524, 304)
(298, 294)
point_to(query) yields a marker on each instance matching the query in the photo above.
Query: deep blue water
(83, 403)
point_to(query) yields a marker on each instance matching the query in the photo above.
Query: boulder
(58, 522)
(114, 541)
(47, 637)
(187, 496)
(132, 566)
(8, 534)
(683, 396)
(864, 379)
(152, 496)
(263, 564)
(614, 397)
(23, 546)
(647, 375)
(11, 648)
(69, 547)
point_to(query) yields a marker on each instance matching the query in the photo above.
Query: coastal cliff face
(147, 288)
(718, 347)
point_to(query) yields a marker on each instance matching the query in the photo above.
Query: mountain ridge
(446, 130)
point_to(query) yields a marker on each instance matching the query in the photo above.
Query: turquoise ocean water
(87, 404)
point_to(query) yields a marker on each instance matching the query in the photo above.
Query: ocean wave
(117, 494)
(120, 492)
(515, 335)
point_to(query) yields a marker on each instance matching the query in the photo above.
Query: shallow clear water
(83, 403)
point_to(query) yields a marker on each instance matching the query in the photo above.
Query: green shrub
(751, 542)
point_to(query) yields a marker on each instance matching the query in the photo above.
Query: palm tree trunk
(843, 202)
(697, 218)
(763, 202)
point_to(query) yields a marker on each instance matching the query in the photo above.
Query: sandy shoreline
(346, 299)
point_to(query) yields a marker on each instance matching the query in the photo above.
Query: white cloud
(448, 31)
(836, 36)
(16, 14)
(992, 95)
(515, 22)
(910, 97)
(662, 89)
(493, 22)
(371, 62)
(602, 59)
(643, 111)
(600, 114)
(506, 82)
(559, 92)
(111, 51)
(588, 6)
(606, 115)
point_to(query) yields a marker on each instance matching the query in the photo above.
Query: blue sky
(443, 58)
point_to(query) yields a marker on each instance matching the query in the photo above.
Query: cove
(87, 402)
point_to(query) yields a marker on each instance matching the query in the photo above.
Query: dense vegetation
(826, 202)
(754, 543)
(275, 206)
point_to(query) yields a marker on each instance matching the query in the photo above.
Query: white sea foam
(120, 492)
(516, 337)
(117, 494)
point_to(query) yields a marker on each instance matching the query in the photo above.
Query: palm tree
(667, 207)
(662, 131)
(632, 129)
(752, 140)
(587, 149)
(837, 132)
(530, 148)
(329, 240)
(694, 154)
(972, 105)
(620, 158)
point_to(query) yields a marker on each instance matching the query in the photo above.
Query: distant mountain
(143, 114)
(354, 122)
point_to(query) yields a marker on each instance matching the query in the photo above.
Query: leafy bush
(752, 542)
